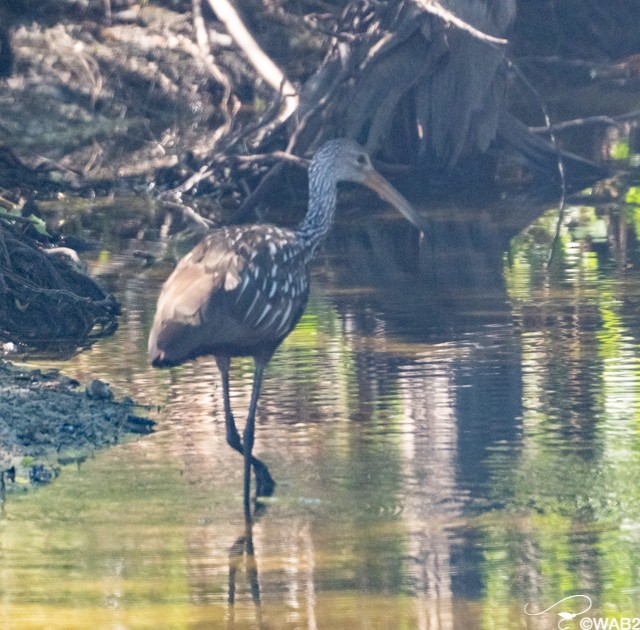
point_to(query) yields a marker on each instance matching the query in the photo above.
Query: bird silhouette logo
(563, 615)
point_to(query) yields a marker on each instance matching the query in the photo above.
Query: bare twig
(552, 138)
(202, 39)
(229, 105)
(207, 171)
(267, 121)
(435, 8)
(67, 251)
(267, 182)
(202, 173)
(188, 213)
(265, 185)
(281, 156)
(263, 64)
(609, 121)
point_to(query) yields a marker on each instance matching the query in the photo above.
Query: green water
(443, 458)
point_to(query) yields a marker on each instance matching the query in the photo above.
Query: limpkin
(243, 288)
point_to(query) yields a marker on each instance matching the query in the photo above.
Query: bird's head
(344, 160)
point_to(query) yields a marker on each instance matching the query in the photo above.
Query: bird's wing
(272, 287)
(239, 287)
(206, 270)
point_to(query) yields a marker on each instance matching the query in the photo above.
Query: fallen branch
(262, 63)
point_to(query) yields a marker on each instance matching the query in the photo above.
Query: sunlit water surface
(443, 458)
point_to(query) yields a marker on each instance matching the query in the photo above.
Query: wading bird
(242, 290)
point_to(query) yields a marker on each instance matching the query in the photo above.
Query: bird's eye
(362, 159)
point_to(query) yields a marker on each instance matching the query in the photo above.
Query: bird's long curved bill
(386, 191)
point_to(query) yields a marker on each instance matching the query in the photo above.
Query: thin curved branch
(607, 121)
(435, 8)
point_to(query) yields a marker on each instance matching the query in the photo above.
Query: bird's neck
(323, 195)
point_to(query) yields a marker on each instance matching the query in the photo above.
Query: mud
(48, 420)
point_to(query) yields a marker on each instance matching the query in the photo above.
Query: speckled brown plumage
(238, 293)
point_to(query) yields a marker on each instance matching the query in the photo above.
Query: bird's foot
(265, 485)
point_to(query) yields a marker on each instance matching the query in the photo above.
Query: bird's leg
(233, 437)
(249, 431)
(265, 485)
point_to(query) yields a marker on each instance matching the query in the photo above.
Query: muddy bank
(48, 420)
(90, 107)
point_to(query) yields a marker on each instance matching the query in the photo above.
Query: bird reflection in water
(241, 549)
(243, 289)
